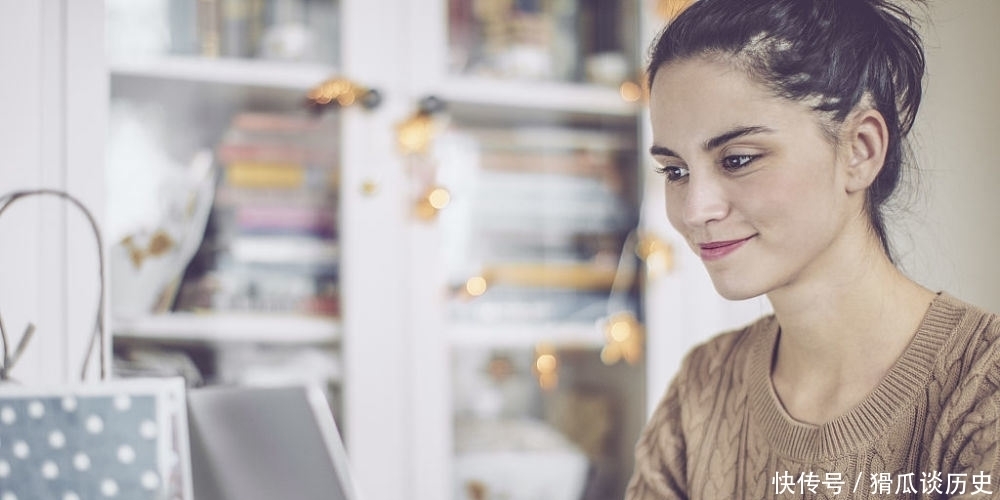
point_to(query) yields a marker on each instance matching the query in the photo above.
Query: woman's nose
(705, 201)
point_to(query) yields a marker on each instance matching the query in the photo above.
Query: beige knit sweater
(928, 430)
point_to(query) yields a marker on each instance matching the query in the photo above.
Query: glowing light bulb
(439, 198)
(546, 363)
(476, 286)
(656, 253)
(630, 91)
(620, 331)
(546, 366)
(623, 339)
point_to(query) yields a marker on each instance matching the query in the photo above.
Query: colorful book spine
(276, 175)
(290, 220)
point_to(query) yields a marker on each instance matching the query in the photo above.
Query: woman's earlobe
(869, 141)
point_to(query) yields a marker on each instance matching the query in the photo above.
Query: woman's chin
(737, 289)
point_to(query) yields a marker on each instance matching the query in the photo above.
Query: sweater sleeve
(660, 459)
(977, 451)
(973, 443)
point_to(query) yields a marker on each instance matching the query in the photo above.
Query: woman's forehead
(704, 90)
(694, 100)
(695, 78)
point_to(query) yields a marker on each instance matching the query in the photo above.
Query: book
(249, 151)
(280, 137)
(548, 138)
(315, 197)
(318, 221)
(276, 175)
(272, 243)
(598, 164)
(284, 249)
(285, 123)
(246, 289)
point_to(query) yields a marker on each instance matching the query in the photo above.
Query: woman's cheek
(675, 208)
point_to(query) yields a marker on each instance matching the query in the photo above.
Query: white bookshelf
(230, 328)
(526, 335)
(570, 98)
(288, 75)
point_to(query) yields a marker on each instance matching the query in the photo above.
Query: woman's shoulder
(728, 350)
(964, 389)
(967, 364)
(736, 340)
(973, 334)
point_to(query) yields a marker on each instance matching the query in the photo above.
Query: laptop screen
(266, 443)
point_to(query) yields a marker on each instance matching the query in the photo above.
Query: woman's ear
(868, 140)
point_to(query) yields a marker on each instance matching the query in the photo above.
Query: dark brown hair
(832, 54)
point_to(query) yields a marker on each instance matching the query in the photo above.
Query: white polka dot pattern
(94, 444)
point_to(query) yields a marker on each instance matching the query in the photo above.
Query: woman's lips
(716, 250)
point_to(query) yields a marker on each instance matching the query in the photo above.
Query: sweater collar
(871, 418)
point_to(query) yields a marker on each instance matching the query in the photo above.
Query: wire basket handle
(97, 335)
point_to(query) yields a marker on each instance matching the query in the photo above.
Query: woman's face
(752, 183)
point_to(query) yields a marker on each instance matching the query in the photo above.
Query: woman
(779, 126)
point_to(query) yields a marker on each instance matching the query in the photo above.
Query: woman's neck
(840, 335)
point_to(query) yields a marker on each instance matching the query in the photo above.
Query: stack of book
(523, 39)
(289, 30)
(272, 244)
(548, 212)
(578, 41)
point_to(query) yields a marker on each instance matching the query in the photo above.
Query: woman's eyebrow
(733, 134)
(662, 151)
(715, 141)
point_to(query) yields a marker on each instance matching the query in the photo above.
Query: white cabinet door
(515, 281)
(215, 82)
(377, 322)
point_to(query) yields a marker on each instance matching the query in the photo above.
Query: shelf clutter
(540, 215)
(272, 242)
(259, 302)
(578, 41)
(277, 30)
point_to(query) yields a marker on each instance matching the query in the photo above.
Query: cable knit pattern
(929, 430)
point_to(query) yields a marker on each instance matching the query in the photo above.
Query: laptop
(254, 443)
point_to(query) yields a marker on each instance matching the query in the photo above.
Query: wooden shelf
(297, 76)
(230, 328)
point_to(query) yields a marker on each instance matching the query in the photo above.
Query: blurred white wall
(951, 239)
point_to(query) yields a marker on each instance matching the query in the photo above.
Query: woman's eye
(673, 174)
(736, 162)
